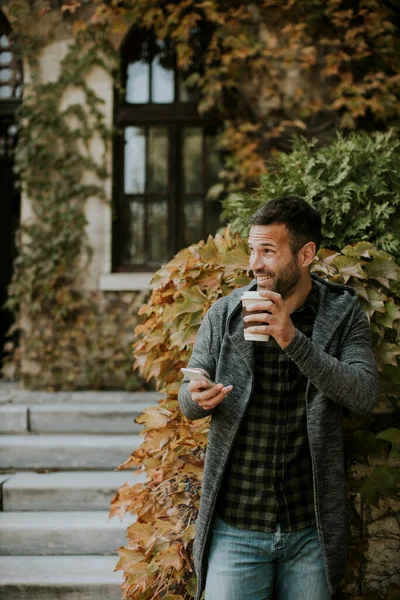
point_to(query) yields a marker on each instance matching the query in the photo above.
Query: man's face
(271, 259)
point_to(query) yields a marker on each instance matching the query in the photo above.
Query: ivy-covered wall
(271, 69)
(71, 334)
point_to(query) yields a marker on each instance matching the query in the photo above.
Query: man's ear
(307, 254)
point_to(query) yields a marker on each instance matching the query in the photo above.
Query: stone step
(71, 418)
(65, 451)
(12, 393)
(13, 419)
(59, 578)
(32, 533)
(65, 490)
(79, 418)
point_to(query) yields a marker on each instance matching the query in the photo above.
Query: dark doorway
(9, 221)
(10, 99)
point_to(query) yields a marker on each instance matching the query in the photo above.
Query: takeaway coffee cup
(247, 299)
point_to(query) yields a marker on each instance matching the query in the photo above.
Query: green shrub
(157, 558)
(354, 182)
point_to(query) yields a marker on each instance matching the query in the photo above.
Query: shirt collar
(312, 299)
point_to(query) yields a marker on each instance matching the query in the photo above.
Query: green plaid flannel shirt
(269, 473)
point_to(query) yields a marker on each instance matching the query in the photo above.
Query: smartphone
(197, 374)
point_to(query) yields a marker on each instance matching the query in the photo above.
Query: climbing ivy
(274, 67)
(60, 120)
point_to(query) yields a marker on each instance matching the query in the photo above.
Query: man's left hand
(276, 318)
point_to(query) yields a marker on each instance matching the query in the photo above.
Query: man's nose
(255, 262)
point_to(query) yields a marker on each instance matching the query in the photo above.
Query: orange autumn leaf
(171, 557)
(128, 558)
(152, 418)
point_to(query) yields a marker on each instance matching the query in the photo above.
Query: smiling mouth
(264, 277)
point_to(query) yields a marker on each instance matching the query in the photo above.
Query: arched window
(165, 159)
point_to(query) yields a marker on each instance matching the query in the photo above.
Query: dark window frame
(176, 116)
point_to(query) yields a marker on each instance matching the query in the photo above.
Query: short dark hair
(302, 220)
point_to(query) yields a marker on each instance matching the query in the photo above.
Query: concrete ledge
(125, 282)
(66, 451)
(65, 490)
(61, 533)
(61, 577)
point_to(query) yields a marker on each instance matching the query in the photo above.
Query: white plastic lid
(252, 295)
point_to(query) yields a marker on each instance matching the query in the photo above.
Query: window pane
(135, 160)
(5, 58)
(4, 43)
(192, 160)
(134, 252)
(158, 230)
(137, 82)
(5, 74)
(5, 91)
(193, 215)
(162, 81)
(158, 160)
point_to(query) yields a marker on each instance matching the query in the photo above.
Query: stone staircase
(58, 452)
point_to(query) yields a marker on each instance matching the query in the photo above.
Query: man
(274, 510)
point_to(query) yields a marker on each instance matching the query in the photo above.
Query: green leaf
(368, 443)
(191, 586)
(236, 259)
(215, 191)
(375, 296)
(391, 435)
(392, 314)
(360, 288)
(349, 267)
(382, 269)
(189, 533)
(386, 354)
(370, 491)
(387, 475)
(196, 319)
(384, 480)
(395, 452)
(357, 250)
(194, 301)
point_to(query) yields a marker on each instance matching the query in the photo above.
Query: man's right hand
(206, 397)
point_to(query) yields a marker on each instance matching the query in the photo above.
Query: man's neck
(298, 297)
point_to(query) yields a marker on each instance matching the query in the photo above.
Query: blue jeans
(248, 565)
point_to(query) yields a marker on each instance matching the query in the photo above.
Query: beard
(283, 282)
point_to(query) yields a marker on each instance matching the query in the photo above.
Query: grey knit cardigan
(340, 367)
